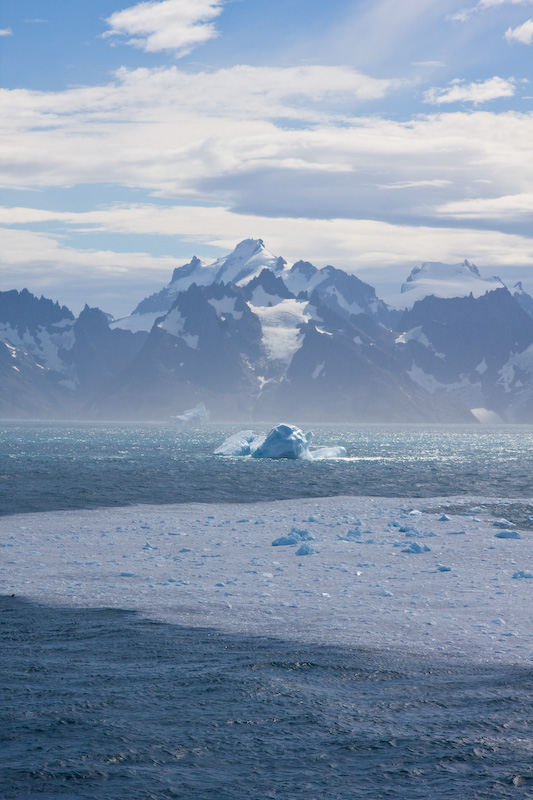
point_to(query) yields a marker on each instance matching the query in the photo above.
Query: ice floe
(346, 570)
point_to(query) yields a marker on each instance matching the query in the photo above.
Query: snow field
(365, 572)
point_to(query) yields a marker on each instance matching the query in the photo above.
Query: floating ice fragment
(502, 523)
(305, 550)
(413, 533)
(351, 535)
(507, 535)
(442, 568)
(302, 533)
(444, 518)
(283, 541)
(127, 574)
(322, 453)
(283, 441)
(414, 547)
(294, 537)
(240, 444)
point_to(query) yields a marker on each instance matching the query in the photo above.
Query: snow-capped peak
(186, 270)
(439, 271)
(248, 259)
(443, 280)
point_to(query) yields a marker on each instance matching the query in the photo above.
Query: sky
(368, 134)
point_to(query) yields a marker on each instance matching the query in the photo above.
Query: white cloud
(378, 252)
(478, 92)
(483, 5)
(6, 32)
(491, 3)
(315, 187)
(175, 25)
(504, 207)
(523, 33)
(218, 138)
(164, 129)
(353, 244)
(428, 63)
(110, 280)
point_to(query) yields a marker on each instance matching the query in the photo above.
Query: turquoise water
(49, 466)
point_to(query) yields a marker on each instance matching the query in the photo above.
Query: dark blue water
(84, 465)
(101, 705)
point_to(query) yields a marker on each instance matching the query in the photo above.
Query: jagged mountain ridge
(255, 337)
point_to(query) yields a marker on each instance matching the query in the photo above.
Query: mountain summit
(437, 279)
(253, 337)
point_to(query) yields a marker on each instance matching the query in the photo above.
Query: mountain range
(256, 338)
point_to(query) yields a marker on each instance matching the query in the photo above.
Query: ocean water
(86, 465)
(102, 705)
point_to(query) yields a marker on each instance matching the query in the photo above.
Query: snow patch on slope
(281, 323)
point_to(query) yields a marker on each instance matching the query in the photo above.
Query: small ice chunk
(351, 535)
(444, 518)
(305, 550)
(294, 537)
(240, 444)
(286, 541)
(507, 535)
(302, 533)
(414, 547)
(522, 574)
(502, 523)
(442, 568)
(321, 453)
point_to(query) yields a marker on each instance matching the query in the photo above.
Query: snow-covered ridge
(442, 280)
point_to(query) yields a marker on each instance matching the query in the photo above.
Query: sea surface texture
(99, 704)
(179, 625)
(81, 465)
